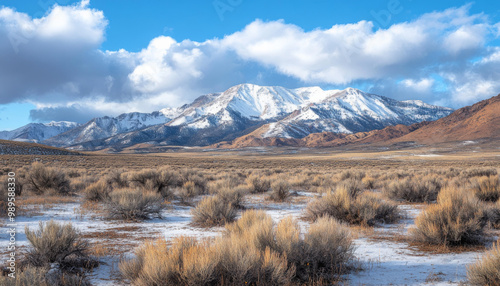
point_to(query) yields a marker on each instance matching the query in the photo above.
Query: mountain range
(246, 115)
(467, 125)
(38, 132)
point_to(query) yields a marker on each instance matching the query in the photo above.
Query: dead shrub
(194, 176)
(185, 262)
(371, 209)
(3, 199)
(18, 187)
(55, 243)
(29, 276)
(493, 214)
(41, 179)
(458, 218)
(233, 196)
(155, 180)
(256, 227)
(355, 175)
(369, 183)
(134, 204)
(352, 186)
(280, 191)
(356, 208)
(188, 191)
(487, 270)
(213, 211)
(117, 178)
(416, 189)
(288, 240)
(251, 252)
(78, 184)
(479, 172)
(319, 180)
(226, 182)
(487, 188)
(98, 191)
(258, 184)
(328, 249)
(152, 264)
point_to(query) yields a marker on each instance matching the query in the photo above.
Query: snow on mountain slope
(251, 102)
(37, 132)
(103, 127)
(351, 111)
(288, 113)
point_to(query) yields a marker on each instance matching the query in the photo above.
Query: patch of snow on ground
(384, 261)
(392, 263)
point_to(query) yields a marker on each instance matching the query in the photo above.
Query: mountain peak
(352, 90)
(274, 110)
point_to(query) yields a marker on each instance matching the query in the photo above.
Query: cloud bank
(56, 63)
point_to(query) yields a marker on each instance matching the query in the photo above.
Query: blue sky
(77, 60)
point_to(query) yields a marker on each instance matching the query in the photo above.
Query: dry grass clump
(78, 184)
(258, 184)
(29, 276)
(213, 211)
(3, 199)
(117, 178)
(188, 191)
(416, 189)
(369, 182)
(487, 188)
(252, 252)
(194, 176)
(353, 207)
(58, 256)
(134, 204)
(41, 179)
(493, 214)
(487, 270)
(233, 196)
(352, 186)
(355, 175)
(185, 262)
(19, 184)
(41, 276)
(4, 194)
(458, 218)
(158, 181)
(226, 180)
(448, 173)
(479, 172)
(389, 176)
(58, 278)
(98, 191)
(54, 243)
(328, 249)
(280, 190)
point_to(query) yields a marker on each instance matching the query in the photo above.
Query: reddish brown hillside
(325, 139)
(479, 121)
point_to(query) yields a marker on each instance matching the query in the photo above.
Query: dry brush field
(408, 217)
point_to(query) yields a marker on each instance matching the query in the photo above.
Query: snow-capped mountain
(104, 127)
(242, 109)
(37, 132)
(351, 111)
(248, 101)
(287, 112)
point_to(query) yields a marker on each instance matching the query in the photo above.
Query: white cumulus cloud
(55, 61)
